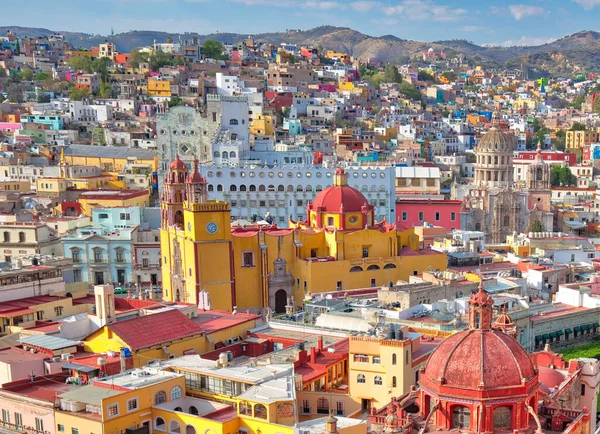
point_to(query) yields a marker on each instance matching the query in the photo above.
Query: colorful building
(158, 86)
(338, 247)
(112, 198)
(417, 212)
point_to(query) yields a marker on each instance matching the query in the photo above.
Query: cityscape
(300, 231)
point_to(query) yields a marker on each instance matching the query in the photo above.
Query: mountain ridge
(578, 52)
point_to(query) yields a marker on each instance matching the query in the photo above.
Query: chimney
(313, 355)
(320, 344)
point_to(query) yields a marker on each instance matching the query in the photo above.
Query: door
(280, 301)
(99, 277)
(121, 276)
(154, 279)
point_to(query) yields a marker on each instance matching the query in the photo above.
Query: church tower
(480, 310)
(173, 195)
(538, 193)
(63, 164)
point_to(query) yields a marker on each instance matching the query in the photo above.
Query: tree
(138, 57)
(26, 74)
(158, 59)
(536, 226)
(559, 143)
(80, 63)
(77, 94)
(43, 98)
(409, 91)
(449, 75)
(391, 74)
(577, 126)
(42, 76)
(536, 124)
(100, 67)
(425, 76)
(540, 136)
(174, 101)
(2, 72)
(578, 101)
(292, 59)
(169, 40)
(362, 70)
(596, 106)
(555, 176)
(213, 50)
(105, 90)
(14, 92)
(566, 177)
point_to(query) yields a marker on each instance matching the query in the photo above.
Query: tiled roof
(152, 330)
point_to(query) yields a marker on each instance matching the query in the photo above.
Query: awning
(80, 368)
(559, 333)
(568, 331)
(539, 338)
(587, 327)
(553, 334)
(17, 313)
(545, 336)
(596, 325)
(577, 329)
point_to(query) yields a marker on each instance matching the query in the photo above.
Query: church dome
(474, 358)
(495, 140)
(194, 176)
(177, 164)
(340, 197)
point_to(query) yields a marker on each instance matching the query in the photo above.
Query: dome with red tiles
(177, 163)
(194, 176)
(339, 197)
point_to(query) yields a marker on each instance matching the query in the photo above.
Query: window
(330, 221)
(339, 408)
(40, 315)
(97, 255)
(21, 237)
(248, 259)
(39, 425)
(77, 275)
(394, 383)
(132, 404)
(394, 359)
(160, 397)
(323, 406)
(453, 216)
(74, 430)
(145, 263)
(502, 418)
(7, 237)
(233, 122)
(5, 417)
(338, 285)
(362, 358)
(461, 417)
(58, 310)
(61, 428)
(404, 215)
(175, 393)
(361, 379)
(437, 216)
(421, 217)
(376, 359)
(378, 381)
(305, 406)
(112, 410)
(18, 420)
(365, 252)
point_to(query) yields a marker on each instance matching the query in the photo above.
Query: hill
(579, 52)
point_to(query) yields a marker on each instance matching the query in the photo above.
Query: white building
(81, 111)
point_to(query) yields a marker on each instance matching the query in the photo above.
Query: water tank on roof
(399, 335)
(390, 334)
(229, 356)
(223, 359)
(101, 361)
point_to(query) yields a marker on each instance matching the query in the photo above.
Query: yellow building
(109, 158)
(50, 186)
(380, 369)
(577, 139)
(159, 87)
(339, 247)
(112, 199)
(342, 57)
(22, 186)
(262, 126)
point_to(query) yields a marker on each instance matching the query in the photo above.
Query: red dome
(550, 378)
(474, 358)
(194, 176)
(332, 198)
(177, 164)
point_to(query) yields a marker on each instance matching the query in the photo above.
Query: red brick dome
(474, 358)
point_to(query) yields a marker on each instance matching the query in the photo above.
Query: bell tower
(174, 194)
(195, 186)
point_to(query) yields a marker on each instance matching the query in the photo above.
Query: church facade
(339, 247)
(493, 204)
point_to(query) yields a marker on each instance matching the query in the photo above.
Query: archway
(502, 418)
(280, 301)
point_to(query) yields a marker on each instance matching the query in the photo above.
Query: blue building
(55, 121)
(126, 217)
(100, 255)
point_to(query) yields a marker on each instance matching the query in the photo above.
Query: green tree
(43, 98)
(362, 70)
(567, 178)
(559, 143)
(292, 59)
(540, 136)
(596, 107)
(174, 101)
(138, 57)
(578, 101)
(536, 124)
(42, 76)
(2, 72)
(449, 75)
(80, 63)
(213, 50)
(77, 94)
(555, 176)
(14, 92)
(105, 90)
(425, 76)
(445, 113)
(26, 74)
(391, 74)
(409, 91)
(100, 67)
(536, 226)
(158, 59)
(577, 126)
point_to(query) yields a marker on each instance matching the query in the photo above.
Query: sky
(497, 22)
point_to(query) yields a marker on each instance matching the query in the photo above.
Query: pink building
(414, 212)
(9, 127)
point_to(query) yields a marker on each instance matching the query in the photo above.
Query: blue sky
(481, 21)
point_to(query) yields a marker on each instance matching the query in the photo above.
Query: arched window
(280, 188)
(242, 187)
(506, 221)
(224, 155)
(394, 381)
(356, 269)
(175, 393)
(178, 409)
(232, 188)
(394, 359)
(361, 379)
(377, 381)
(261, 188)
(233, 122)
(174, 427)
(234, 136)
(299, 188)
(193, 410)
(290, 188)
(252, 187)
(260, 411)
(216, 154)
(461, 417)
(210, 187)
(308, 188)
(219, 187)
(232, 154)
(318, 188)
(271, 188)
(389, 266)
(373, 267)
(160, 397)
(502, 417)
(159, 424)
(189, 429)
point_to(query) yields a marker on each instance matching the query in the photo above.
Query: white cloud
(425, 10)
(528, 41)
(472, 28)
(587, 4)
(364, 5)
(322, 5)
(523, 11)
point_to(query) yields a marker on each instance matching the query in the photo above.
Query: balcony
(120, 261)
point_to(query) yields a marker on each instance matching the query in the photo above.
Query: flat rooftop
(136, 378)
(318, 426)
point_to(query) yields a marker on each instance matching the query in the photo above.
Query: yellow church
(339, 247)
